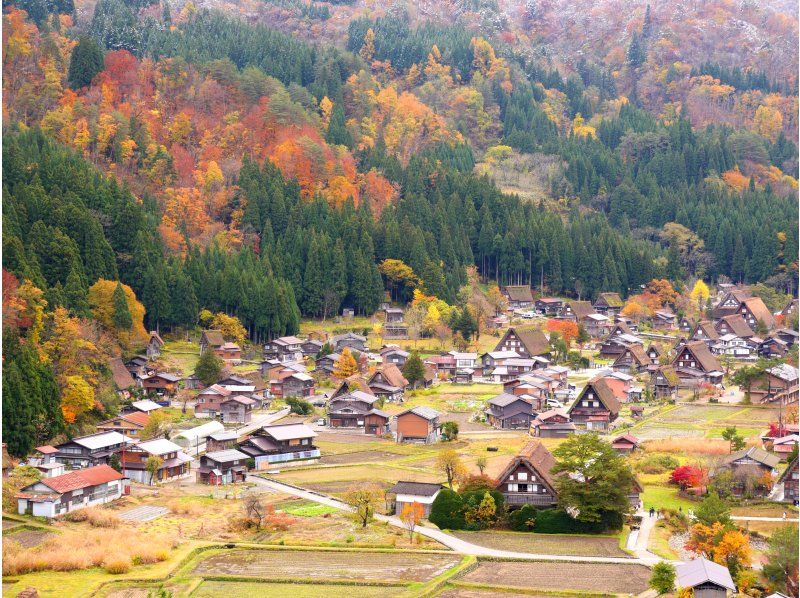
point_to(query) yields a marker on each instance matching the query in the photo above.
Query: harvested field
(546, 543)
(465, 593)
(596, 577)
(243, 589)
(28, 538)
(282, 564)
(359, 457)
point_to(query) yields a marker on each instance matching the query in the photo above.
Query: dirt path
(456, 544)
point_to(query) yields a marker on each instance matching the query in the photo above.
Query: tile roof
(82, 478)
(415, 488)
(289, 431)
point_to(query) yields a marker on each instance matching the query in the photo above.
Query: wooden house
(576, 311)
(664, 319)
(293, 384)
(395, 355)
(222, 440)
(422, 493)
(393, 326)
(553, 423)
(280, 443)
(311, 347)
(237, 409)
(788, 483)
(704, 331)
(51, 497)
(790, 309)
(730, 303)
(664, 382)
(695, 364)
(91, 450)
(785, 445)
(418, 424)
(327, 363)
(351, 340)
(175, 463)
(772, 347)
(154, 345)
(444, 365)
(597, 325)
(211, 339)
(127, 424)
(230, 353)
(750, 466)
(509, 412)
(734, 324)
(518, 296)
(596, 406)
(609, 304)
(161, 383)
(548, 306)
(756, 313)
(527, 479)
(625, 444)
(219, 468)
(285, 348)
(357, 409)
(778, 384)
(633, 359)
(525, 343)
(653, 352)
(463, 376)
(209, 401)
(705, 579)
(616, 343)
(123, 380)
(388, 383)
(44, 460)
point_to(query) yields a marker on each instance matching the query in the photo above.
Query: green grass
(665, 497)
(309, 510)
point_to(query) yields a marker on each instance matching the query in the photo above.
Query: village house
(443, 365)
(778, 384)
(209, 401)
(422, 493)
(351, 340)
(279, 443)
(787, 335)
(633, 359)
(237, 409)
(534, 389)
(393, 326)
(493, 359)
(785, 445)
(311, 347)
(527, 479)
(653, 352)
(694, 364)
(730, 303)
(222, 440)
(230, 353)
(154, 345)
(514, 367)
(518, 296)
(773, 347)
(123, 380)
(211, 339)
(756, 313)
(525, 343)
(664, 320)
(704, 331)
(357, 409)
(787, 484)
(129, 424)
(609, 304)
(597, 325)
(327, 363)
(91, 450)
(219, 468)
(625, 444)
(174, 464)
(509, 412)
(706, 579)
(394, 355)
(388, 383)
(143, 406)
(160, 383)
(553, 423)
(293, 384)
(664, 382)
(732, 346)
(596, 407)
(576, 311)
(750, 467)
(463, 376)
(419, 424)
(686, 326)
(44, 460)
(51, 497)
(548, 306)
(617, 340)
(733, 324)
(285, 348)
(620, 384)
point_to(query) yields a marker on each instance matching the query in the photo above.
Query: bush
(117, 564)
(447, 510)
(477, 483)
(449, 431)
(299, 406)
(94, 516)
(522, 519)
(657, 463)
(556, 521)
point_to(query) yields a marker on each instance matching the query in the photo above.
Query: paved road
(456, 544)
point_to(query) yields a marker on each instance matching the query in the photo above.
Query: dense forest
(161, 159)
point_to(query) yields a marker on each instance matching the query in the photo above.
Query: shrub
(449, 431)
(476, 483)
(522, 519)
(95, 517)
(447, 510)
(657, 463)
(663, 578)
(556, 521)
(184, 507)
(299, 406)
(117, 564)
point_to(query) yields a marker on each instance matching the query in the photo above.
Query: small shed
(707, 579)
(414, 492)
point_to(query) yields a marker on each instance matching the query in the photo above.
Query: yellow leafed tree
(101, 302)
(346, 366)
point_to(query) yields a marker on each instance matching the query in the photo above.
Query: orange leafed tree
(567, 330)
(411, 515)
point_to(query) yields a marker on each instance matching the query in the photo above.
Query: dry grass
(682, 446)
(94, 517)
(184, 507)
(117, 564)
(84, 548)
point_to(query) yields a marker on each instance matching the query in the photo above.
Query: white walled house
(75, 490)
(414, 492)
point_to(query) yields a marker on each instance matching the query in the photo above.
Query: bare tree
(254, 509)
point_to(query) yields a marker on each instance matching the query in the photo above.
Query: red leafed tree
(567, 330)
(687, 476)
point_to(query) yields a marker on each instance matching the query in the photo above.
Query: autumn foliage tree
(346, 365)
(411, 515)
(105, 310)
(567, 330)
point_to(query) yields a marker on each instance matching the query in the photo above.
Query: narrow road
(777, 519)
(457, 544)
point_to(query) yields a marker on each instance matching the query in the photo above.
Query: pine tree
(75, 295)
(121, 319)
(337, 129)
(85, 63)
(208, 368)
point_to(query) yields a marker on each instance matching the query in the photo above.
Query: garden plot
(594, 577)
(359, 457)
(28, 538)
(399, 567)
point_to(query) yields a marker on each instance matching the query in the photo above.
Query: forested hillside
(268, 168)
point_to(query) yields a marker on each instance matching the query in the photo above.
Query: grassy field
(563, 544)
(704, 421)
(658, 543)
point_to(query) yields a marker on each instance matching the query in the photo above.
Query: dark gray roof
(415, 488)
(698, 571)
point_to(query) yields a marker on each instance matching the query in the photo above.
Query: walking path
(778, 519)
(462, 546)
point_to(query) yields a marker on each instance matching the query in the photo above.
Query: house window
(522, 476)
(512, 488)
